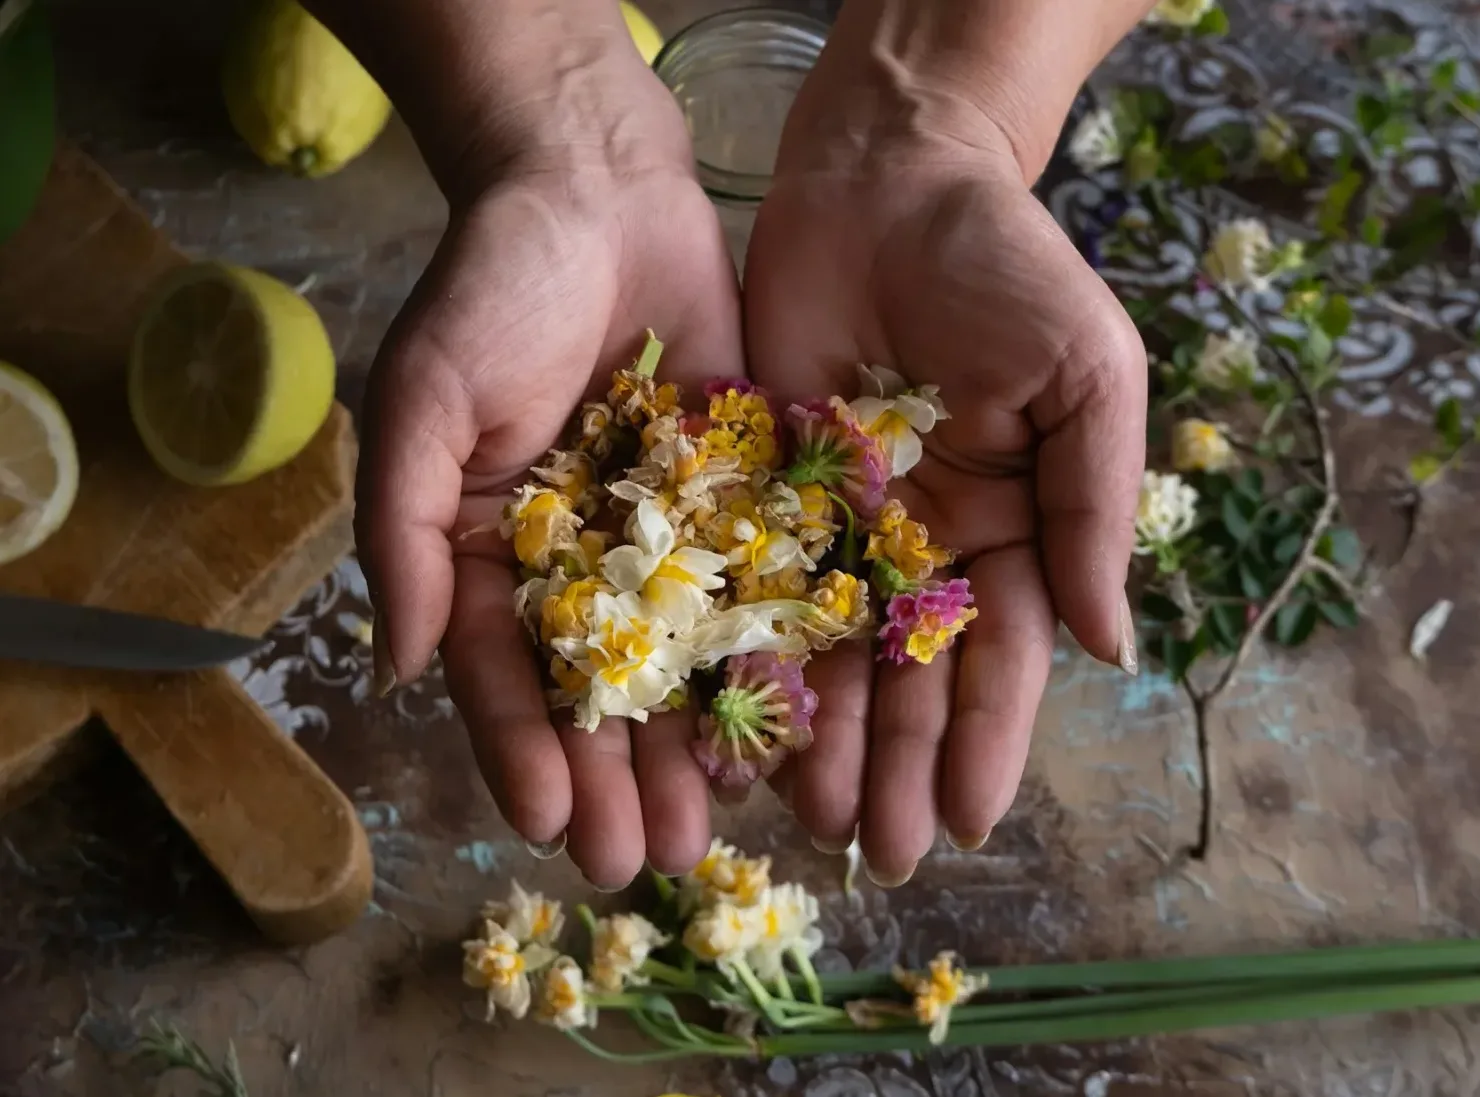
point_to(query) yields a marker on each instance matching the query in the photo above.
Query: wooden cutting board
(72, 284)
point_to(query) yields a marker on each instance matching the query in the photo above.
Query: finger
(494, 681)
(827, 787)
(1005, 658)
(418, 429)
(1093, 416)
(912, 706)
(674, 792)
(783, 782)
(605, 836)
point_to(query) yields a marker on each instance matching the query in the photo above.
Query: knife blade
(43, 630)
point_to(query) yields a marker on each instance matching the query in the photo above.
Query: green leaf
(1417, 233)
(1238, 513)
(1160, 608)
(1441, 77)
(1331, 216)
(1449, 422)
(1225, 625)
(1339, 612)
(1371, 112)
(1288, 548)
(1250, 484)
(1341, 546)
(1318, 348)
(1468, 99)
(1424, 467)
(1294, 623)
(1386, 45)
(1372, 230)
(1213, 23)
(1144, 159)
(1177, 655)
(1250, 582)
(1392, 134)
(1335, 316)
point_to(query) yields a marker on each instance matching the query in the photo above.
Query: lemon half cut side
(231, 375)
(38, 464)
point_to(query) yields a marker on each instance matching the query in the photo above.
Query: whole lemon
(644, 34)
(296, 95)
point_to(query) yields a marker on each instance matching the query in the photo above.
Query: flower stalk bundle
(749, 538)
(723, 967)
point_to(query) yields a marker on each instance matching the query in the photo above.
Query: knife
(42, 630)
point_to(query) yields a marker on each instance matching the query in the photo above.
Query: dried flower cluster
(750, 537)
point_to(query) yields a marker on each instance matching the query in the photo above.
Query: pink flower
(925, 622)
(721, 385)
(764, 711)
(834, 449)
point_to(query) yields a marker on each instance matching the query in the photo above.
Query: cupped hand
(543, 284)
(918, 246)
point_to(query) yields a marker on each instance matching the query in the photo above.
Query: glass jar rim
(804, 34)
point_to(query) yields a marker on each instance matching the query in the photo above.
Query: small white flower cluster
(1165, 512)
(737, 917)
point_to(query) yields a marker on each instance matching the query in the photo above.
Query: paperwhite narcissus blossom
(787, 924)
(630, 656)
(725, 874)
(563, 1002)
(674, 582)
(1198, 445)
(1228, 361)
(1180, 13)
(619, 947)
(750, 627)
(722, 934)
(944, 987)
(1241, 255)
(897, 415)
(1165, 512)
(1096, 142)
(755, 548)
(497, 964)
(528, 917)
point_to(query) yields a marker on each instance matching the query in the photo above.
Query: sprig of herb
(166, 1048)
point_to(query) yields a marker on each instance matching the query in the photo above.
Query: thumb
(1092, 416)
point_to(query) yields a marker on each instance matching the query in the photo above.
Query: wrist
(497, 88)
(986, 74)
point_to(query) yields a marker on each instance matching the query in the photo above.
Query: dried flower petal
(1198, 445)
(940, 991)
(925, 622)
(905, 544)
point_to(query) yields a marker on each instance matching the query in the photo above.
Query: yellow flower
(937, 993)
(571, 684)
(905, 543)
(805, 511)
(496, 962)
(897, 415)
(527, 917)
(638, 399)
(630, 657)
(539, 521)
(1198, 445)
(743, 429)
(788, 583)
(842, 601)
(598, 430)
(725, 874)
(567, 612)
(574, 476)
(619, 948)
(563, 1001)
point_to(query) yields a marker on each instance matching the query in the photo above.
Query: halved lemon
(38, 464)
(645, 36)
(231, 375)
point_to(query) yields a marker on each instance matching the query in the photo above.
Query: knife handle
(280, 833)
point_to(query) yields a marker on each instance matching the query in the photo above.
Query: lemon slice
(645, 35)
(38, 464)
(231, 375)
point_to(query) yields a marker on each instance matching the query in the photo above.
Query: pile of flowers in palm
(671, 553)
(721, 965)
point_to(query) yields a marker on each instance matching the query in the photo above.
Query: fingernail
(887, 881)
(968, 844)
(547, 851)
(833, 849)
(380, 646)
(606, 890)
(1127, 653)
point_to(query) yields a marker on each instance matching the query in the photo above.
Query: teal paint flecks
(486, 857)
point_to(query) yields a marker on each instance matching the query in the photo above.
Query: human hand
(900, 231)
(571, 231)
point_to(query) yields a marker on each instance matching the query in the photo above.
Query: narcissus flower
(620, 945)
(1198, 445)
(905, 543)
(897, 415)
(842, 603)
(1096, 142)
(638, 399)
(572, 474)
(940, 990)
(755, 626)
(1228, 361)
(629, 655)
(674, 582)
(539, 521)
(495, 962)
(833, 449)
(529, 917)
(563, 1001)
(751, 546)
(787, 927)
(724, 875)
(1166, 511)
(763, 713)
(807, 512)
(925, 622)
(721, 934)
(597, 431)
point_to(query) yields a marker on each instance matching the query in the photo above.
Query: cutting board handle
(280, 833)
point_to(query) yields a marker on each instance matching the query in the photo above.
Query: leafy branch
(166, 1048)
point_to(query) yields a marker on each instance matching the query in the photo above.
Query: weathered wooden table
(1348, 787)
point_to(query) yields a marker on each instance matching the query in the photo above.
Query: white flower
(1180, 13)
(1165, 512)
(723, 933)
(619, 947)
(1228, 361)
(1096, 142)
(897, 415)
(1200, 445)
(563, 1000)
(528, 917)
(788, 924)
(938, 991)
(1274, 139)
(725, 874)
(674, 582)
(753, 626)
(630, 656)
(1241, 255)
(497, 964)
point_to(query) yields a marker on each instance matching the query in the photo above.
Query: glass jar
(735, 74)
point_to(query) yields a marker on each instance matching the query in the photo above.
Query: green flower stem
(670, 1030)
(664, 886)
(667, 973)
(783, 988)
(850, 534)
(1267, 1006)
(647, 361)
(640, 1057)
(809, 974)
(587, 917)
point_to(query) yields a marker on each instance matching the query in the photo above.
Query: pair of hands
(906, 238)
